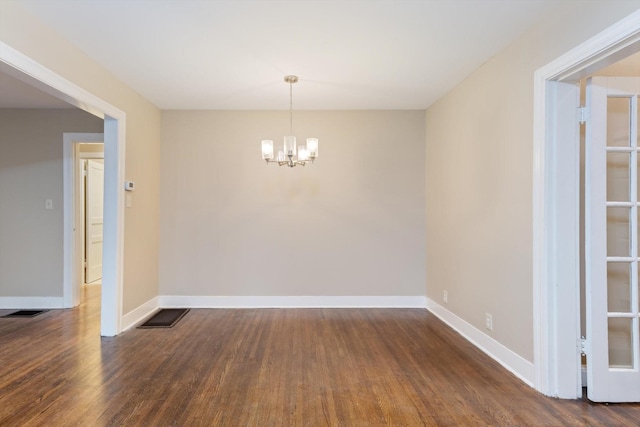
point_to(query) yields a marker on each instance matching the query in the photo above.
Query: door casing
(71, 144)
(556, 272)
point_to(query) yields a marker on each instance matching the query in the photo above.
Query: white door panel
(611, 240)
(94, 221)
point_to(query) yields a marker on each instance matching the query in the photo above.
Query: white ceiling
(349, 54)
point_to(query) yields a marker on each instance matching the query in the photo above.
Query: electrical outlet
(48, 204)
(445, 297)
(488, 320)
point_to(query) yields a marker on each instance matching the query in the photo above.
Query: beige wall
(30, 173)
(479, 177)
(91, 148)
(24, 33)
(350, 224)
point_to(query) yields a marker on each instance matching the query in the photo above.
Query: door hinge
(583, 115)
(583, 346)
(85, 263)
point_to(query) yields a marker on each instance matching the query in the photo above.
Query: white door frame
(72, 258)
(80, 162)
(26, 69)
(556, 275)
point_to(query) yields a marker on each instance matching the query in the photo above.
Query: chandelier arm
(291, 164)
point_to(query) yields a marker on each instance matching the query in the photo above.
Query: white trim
(609, 45)
(71, 255)
(171, 301)
(113, 228)
(29, 303)
(22, 67)
(511, 361)
(140, 313)
(561, 243)
(26, 69)
(542, 334)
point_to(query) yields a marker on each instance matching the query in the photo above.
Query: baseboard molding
(513, 362)
(175, 301)
(140, 313)
(26, 303)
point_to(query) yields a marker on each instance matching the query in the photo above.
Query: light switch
(48, 204)
(128, 200)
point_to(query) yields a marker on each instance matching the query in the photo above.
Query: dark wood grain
(269, 367)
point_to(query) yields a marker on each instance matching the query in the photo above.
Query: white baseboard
(26, 303)
(513, 362)
(140, 313)
(170, 301)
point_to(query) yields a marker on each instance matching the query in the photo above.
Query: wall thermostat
(129, 185)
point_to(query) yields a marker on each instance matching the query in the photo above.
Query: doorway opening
(90, 199)
(556, 230)
(80, 147)
(22, 67)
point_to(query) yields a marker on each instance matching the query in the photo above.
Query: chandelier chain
(290, 108)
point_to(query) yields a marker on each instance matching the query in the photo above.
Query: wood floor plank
(268, 367)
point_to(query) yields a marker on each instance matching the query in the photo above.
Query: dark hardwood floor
(270, 367)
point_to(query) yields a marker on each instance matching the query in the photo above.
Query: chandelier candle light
(289, 156)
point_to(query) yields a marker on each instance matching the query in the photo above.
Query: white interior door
(94, 221)
(611, 240)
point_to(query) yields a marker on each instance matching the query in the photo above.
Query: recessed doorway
(24, 68)
(90, 197)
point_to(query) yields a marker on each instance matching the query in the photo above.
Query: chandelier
(289, 155)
